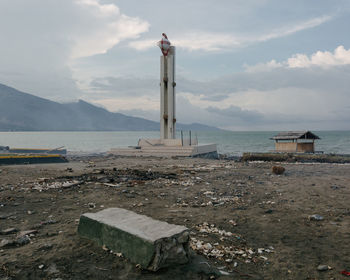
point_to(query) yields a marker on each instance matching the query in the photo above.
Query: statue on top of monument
(164, 44)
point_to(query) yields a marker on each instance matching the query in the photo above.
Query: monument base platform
(167, 148)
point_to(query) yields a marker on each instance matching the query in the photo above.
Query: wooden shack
(295, 142)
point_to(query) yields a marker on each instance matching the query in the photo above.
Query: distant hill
(21, 111)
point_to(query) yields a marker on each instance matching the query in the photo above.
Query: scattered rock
(278, 170)
(46, 247)
(232, 222)
(112, 185)
(52, 269)
(27, 232)
(208, 246)
(91, 205)
(71, 184)
(316, 217)
(8, 231)
(48, 222)
(20, 241)
(323, 267)
(23, 240)
(6, 243)
(6, 216)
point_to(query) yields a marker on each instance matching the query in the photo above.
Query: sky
(240, 64)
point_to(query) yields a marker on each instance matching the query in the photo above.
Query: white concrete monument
(167, 89)
(167, 144)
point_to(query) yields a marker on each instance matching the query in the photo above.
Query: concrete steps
(151, 147)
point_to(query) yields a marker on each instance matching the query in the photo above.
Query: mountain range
(21, 111)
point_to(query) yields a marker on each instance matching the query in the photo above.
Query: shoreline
(296, 157)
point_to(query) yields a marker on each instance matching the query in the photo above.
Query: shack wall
(286, 146)
(294, 147)
(306, 147)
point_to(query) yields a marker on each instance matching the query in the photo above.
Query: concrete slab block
(152, 244)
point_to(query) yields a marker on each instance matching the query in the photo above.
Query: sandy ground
(257, 224)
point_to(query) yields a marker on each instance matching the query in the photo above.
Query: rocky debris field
(245, 221)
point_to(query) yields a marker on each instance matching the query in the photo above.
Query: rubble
(43, 186)
(223, 252)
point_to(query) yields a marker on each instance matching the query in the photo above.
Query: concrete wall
(157, 142)
(167, 142)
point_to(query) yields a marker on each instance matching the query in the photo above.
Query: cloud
(104, 27)
(125, 86)
(142, 45)
(279, 109)
(261, 67)
(288, 30)
(290, 116)
(341, 56)
(142, 113)
(214, 97)
(41, 40)
(236, 113)
(323, 59)
(273, 95)
(193, 41)
(114, 104)
(48, 47)
(213, 42)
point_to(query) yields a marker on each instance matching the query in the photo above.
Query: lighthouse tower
(167, 145)
(167, 89)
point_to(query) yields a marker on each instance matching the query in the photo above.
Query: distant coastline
(21, 111)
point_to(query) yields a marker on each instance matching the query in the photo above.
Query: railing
(190, 140)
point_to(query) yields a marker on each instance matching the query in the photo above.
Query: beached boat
(30, 158)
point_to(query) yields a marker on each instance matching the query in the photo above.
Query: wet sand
(258, 225)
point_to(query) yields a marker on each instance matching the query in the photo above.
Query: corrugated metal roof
(292, 135)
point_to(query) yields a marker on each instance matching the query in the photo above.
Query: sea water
(228, 142)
